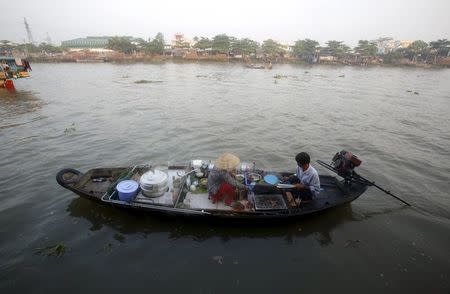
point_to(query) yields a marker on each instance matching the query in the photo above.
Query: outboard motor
(344, 163)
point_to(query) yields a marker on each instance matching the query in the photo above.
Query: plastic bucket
(127, 190)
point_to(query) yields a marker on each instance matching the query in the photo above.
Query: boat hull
(94, 185)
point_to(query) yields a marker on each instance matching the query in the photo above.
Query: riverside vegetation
(228, 48)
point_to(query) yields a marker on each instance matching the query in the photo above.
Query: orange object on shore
(9, 84)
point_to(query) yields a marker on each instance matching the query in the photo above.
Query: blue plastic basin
(271, 179)
(127, 190)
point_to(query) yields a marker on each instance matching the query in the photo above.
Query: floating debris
(57, 250)
(70, 129)
(146, 82)
(106, 248)
(352, 243)
(201, 76)
(218, 259)
(416, 93)
(409, 91)
(119, 237)
(341, 76)
(280, 76)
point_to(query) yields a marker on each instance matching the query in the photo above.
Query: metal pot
(154, 183)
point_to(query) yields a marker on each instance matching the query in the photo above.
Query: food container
(243, 167)
(203, 183)
(254, 177)
(196, 163)
(154, 183)
(127, 190)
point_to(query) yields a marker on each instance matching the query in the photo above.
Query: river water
(91, 115)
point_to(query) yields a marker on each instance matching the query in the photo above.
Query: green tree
(6, 45)
(305, 48)
(48, 48)
(156, 46)
(272, 48)
(203, 43)
(416, 49)
(221, 43)
(365, 48)
(141, 44)
(122, 44)
(244, 46)
(336, 48)
(394, 56)
(442, 47)
(27, 48)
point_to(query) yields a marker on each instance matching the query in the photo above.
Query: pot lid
(153, 177)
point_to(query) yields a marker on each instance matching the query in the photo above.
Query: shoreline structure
(123, 59)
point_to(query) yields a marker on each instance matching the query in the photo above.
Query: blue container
(271, 179)
(127, 190)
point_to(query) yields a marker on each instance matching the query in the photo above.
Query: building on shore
(386, 45)
(97, 44)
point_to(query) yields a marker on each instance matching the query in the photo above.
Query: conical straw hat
(227, 161)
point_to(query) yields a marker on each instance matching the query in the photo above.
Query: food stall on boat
(13, 68)
(181, 190)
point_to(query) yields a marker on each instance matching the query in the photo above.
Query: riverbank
(219, 58)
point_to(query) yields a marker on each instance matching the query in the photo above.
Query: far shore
(212, 59)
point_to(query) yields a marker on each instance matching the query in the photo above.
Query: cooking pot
(154, 183)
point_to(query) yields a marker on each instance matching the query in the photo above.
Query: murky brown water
(91, 115)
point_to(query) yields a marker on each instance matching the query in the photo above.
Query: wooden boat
(267, 201)
(12, 68)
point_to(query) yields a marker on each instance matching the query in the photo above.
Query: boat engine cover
(344, 162)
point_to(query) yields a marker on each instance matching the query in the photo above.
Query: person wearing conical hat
(221, 180)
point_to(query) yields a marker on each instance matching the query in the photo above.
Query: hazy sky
(282, 20)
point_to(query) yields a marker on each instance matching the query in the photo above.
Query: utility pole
(27, 28)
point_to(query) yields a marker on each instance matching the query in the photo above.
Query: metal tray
(269, 202)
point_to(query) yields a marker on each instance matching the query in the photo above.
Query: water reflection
(16, 103)
(319, 226)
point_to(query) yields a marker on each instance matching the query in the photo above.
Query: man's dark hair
(302, 158)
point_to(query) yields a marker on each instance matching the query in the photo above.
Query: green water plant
(57, 250)
(119, 237)
(146, 82)
(280, 76)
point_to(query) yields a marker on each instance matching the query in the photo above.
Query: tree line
(307, 50)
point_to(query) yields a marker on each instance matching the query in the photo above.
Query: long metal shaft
(356, 176)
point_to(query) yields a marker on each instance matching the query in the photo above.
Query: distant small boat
(180, 196)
